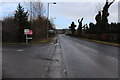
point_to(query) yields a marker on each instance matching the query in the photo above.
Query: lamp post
(48, 16)
(54, 25)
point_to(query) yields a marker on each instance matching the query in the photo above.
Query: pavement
(85, 59)
(56, 68)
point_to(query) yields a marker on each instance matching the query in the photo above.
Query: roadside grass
(11, 43)
(41, 41)
(98, 41)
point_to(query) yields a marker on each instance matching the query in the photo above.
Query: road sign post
(28, 32)
(26, 39)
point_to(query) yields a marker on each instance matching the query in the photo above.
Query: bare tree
(38, 20)
(36, 9)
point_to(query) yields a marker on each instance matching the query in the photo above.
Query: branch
(78, 20)
(111, 3)
(81, 20)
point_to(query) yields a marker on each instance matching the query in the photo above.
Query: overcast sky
(67, 11)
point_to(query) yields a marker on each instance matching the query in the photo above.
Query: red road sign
(30, 32)
(27, 31)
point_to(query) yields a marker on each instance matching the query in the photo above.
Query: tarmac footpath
(56, 68)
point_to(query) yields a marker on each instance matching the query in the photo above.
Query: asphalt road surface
(84, 59)
(25, 61)
(73, 58)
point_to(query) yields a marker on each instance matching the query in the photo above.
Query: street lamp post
(54, 25)
(48, 17)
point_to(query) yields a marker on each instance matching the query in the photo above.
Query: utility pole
(48, 18)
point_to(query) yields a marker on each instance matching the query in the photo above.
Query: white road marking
(19, 50)
(57, 44)
(46, 69)
(64, 70)
(115, 59)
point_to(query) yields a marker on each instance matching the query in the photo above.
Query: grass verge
(41, 41)
(98, 41)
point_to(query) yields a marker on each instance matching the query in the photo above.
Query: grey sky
(66, 12)
(72, 11)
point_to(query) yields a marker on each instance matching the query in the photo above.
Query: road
(25, 61)
(84, 59)
(69, 57)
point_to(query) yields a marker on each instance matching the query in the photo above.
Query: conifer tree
(21, 18)
(72, 28)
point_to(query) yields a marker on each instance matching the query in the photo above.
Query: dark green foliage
(102, 26)
(114, 28)
(86, 29)
(92, 28)
(98, 26)
(21, 18)
(102, 22)
(9, 30)
(105, 13)
(72, 28)
(118, 28)
(13, 27)
(102, 30)
(79, 30)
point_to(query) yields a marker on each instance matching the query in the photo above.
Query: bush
(10, 30)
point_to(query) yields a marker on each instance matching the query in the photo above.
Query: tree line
(31, 16)
(101, 30)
